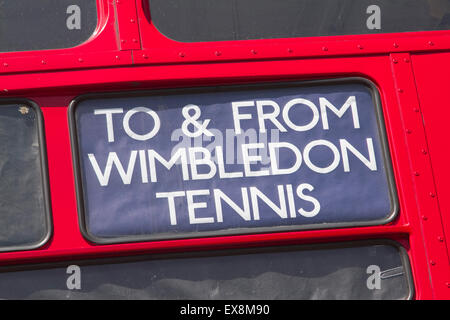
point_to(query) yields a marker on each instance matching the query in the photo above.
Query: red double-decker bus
(244, 149)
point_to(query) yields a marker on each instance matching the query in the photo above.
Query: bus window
(24, 217)
(376, 270)
(215, 20)
(143, 174)
(27, 25)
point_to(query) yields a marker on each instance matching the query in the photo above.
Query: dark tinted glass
(216, 20)
(45, 24)
(23, 208)
(376, 271)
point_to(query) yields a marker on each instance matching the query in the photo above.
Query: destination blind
(214, 161)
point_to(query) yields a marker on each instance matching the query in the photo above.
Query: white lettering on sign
(239, 115)
(192, 159)
(251, 198)
(258, 159)
(126, 122)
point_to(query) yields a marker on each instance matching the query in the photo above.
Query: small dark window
(352, 271)
(45, 24)
(321, 162)
(24, 217)
(217, 20)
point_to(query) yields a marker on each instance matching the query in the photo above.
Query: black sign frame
(394, 203)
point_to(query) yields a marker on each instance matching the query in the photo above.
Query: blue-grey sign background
(119, 210)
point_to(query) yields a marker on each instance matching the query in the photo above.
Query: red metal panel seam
(127, 24)
(430, 217)
(137, 23)
(425, 152)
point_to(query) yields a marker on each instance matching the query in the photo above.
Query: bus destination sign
(231, 160)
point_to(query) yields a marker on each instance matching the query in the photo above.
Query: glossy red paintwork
(127, 52)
